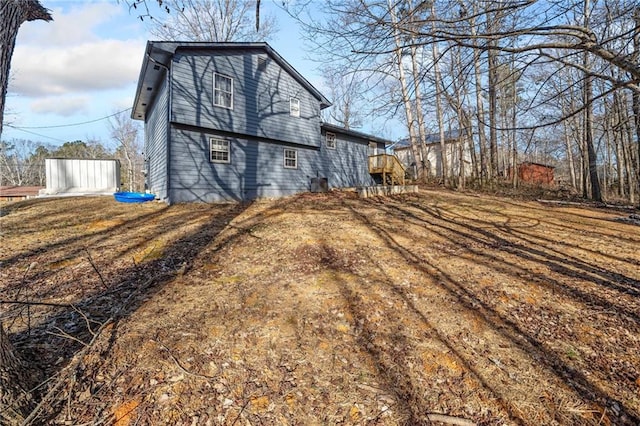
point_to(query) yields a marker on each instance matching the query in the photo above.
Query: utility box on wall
(72, 175)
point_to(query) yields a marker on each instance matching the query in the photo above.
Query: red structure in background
(535, 173)
(13, 193)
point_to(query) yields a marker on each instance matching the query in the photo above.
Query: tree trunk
(493, 112)
(12, 14)
(15, 399)
(406, 97)
(422, 131)
(482, 144)
(443, 149)
(596, 193)
(636, 100)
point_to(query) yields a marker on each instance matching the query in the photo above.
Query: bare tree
(346, 97)
(213, 20)
(21, 162)
(14, 400)
(124, 132)
(13, 13)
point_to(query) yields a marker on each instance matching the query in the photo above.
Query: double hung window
(220, 151)
(222, 91)
(290, 158)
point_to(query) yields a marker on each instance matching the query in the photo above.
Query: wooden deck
(388, 167)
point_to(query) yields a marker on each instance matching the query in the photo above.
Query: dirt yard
(436, 308)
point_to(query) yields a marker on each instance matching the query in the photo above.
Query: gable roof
(157, 60)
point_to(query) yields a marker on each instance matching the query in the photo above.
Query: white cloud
(69, 27)
(99, 65)
(62, 106)
(85, 49)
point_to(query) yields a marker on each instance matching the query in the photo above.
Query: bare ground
(325, 309)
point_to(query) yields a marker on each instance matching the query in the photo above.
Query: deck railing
(389, 167)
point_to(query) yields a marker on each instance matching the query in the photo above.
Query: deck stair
(387, 168)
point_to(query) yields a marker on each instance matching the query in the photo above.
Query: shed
(535, 173)
(75, 175)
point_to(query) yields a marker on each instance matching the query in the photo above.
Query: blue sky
(84, 66)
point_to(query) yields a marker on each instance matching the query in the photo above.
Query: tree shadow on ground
(63, 331)
(462, 234)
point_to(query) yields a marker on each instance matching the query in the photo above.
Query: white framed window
(222, 91)
(330, 139)
(219, 151)
(290, 158)
(294, 107)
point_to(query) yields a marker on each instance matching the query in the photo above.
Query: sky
(84, 66)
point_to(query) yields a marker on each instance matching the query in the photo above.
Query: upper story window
(222, 91)
(294, 107)
(331, 140)
(219, 151)
(290, 159)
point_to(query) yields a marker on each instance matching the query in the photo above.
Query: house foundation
(382, 190)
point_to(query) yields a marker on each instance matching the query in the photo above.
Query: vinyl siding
(256, 168)
(348, 164)
(155, 149)
(260, 97)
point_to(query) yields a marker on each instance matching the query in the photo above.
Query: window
(262, 63)
(220, 151)
(222, 91)
(294, 107)
(290, 159)
(331, 140)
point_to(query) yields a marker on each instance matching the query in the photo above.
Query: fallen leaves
(333, 310)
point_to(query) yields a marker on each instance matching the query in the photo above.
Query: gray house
(235, 121)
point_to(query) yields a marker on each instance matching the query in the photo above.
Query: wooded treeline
(22, 161)
(554, 82)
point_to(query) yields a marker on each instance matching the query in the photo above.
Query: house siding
(348, 164)
(155, 149)
(261, 97)
(256, 168)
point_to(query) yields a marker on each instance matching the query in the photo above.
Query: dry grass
(326, 309)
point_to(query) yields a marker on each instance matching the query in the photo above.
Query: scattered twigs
(25, 302)
(20, 288)
(180, 366)
(244, 406)
(95, 268)
(452, 420)
(87, 320)
(66, 335)
(64, 374)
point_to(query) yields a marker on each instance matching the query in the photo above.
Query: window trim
(216, 74)
(292, 112)
(326, 140)
(228, 151)
(285, 158)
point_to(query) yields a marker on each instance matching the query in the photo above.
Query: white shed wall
(82, 175)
